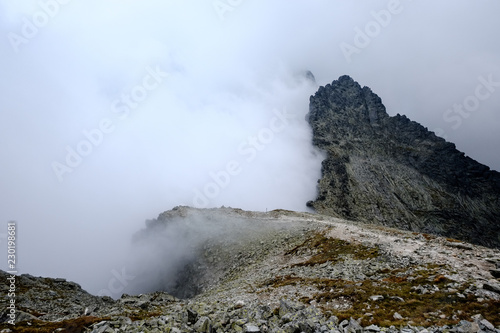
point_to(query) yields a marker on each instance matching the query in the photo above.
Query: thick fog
(114, 111)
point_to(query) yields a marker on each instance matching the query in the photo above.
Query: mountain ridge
(393, 171)
(291, 272)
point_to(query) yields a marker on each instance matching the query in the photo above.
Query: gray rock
(459, 245)
(397, 316)
(368, 153)
(289, 307)
(486, 325)
(477, 317)
(372, 328)
(104, 329)
(495, 261)
(492, 287)
(291, 328)
(202, 325)
(264, 312)
(397, 298)
(239, 304)
(305, 326)
(287, 317)
(191, 316)
(420, 290)
(465, 326)
(251, 328)
(353, 327)
(495, 273)
(333, 320)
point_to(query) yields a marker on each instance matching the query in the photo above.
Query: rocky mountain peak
(348, 99)
(393, 171)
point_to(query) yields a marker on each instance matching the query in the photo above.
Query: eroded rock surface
(392, 171)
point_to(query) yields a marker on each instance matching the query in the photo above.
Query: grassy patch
(278, 212)
(453, 240)
(429, 237)
(333, 250)
(145, 315)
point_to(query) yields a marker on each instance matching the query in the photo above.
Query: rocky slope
(280, 271)
(392, 171)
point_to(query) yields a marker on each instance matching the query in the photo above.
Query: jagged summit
(393, 171)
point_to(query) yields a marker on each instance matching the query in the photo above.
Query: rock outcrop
(394, 172)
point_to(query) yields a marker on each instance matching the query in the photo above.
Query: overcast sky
(114, 111)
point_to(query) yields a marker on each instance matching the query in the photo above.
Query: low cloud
(76, 80)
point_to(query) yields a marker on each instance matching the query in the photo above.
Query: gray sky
(112, 112)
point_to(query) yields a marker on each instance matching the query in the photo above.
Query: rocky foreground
(280, 271)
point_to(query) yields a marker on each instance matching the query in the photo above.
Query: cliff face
(393, 171)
